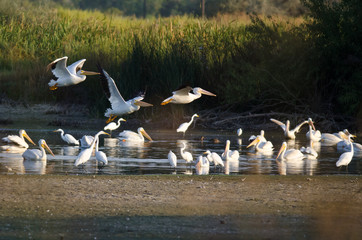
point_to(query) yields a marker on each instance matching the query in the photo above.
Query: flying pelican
(66, 76)
(118, 105)
(261, 146)
(86, 141)
(312, 134)
(113, 126)
(346, 157)
(239, 132)
(100, 156)
(187, 156)
(184, 126)
(36, 154)
(213, 157)
(131, 136)
(172, 159)
(289, 134)
(85, 155)
(18, 140)
(230, 155)
(290, 154)
(67, 137)
(183, 95)
(202, 166)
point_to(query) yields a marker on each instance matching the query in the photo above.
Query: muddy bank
(227, 204)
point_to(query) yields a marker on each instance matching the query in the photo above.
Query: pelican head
(282, 149)
(197, 90)
(144, 133)
(310, 122)
(44, 145)
(256, 141)
(24, 134)
(83, 72)
(345, 131)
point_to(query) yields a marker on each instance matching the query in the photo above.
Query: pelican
(290, 154)
(86, 141)
(289, 134)
(333, 139)
(184, 126)
(172, 159)
(261, 146)
(346, 157)
(66, 76)
(230, 155)
(187, 156)
(183, 95)
(344, 144)
(202, 166)
(239, 132)
(67, 137)
(85, 155)
(18, 140)
(36, 154)
(118, 105)
(100, 156)
(113, 126)
(261, 137)
(213, 157)
(309, 152)
(312, 134)
(131, 136)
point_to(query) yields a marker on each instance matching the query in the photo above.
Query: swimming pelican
(183, 95)
(346, 157)
(202, 166)
(86, 141)
(119, 106)
(85, 154)
(113, 126)
(261, 146)
(290, 154)
(239, 132)
(131, 136)
(100, 156)
(187, 156)
(18, 140)
(312, 134)
(67, 137)
(36, 154)
(289, 134)
(261, 137)
(309, 152)
(331, 139)
(172, 159)
(215, 158)
(184, 126)
(230, 155)
(66, 76)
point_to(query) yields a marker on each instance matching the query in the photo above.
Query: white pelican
(261, 137)
(289, 134)
(86, 141)
(18, 140)
(261, 146)
(239, 132)
(346, 157)
(100, 156)
(215, 158)
(187, 156)
(331, 139)
(36, 154)
(131, 136)
(184, 126)
(290, 154)
(67, 137)
(172, 159)
(183, 95)
(344, 144)
(85, 154)
(119, 106)
(113, 126)
(309, 152)
(66, 76)
(230, 155)
(202, 166)
(312, 134)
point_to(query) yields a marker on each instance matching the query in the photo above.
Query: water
(151, 157)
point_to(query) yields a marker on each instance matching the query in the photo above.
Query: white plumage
(131, 136)
(36, 154)
(312, 134)
(230, 155)
(113, 126)
(215, 158)
(183, 95)
(18, 140)
(346, 157)
(184, 126)
(261, 145)
(67, 137)
(290, 154)
(187, 156)
(85, 154)
(172, 159)
(288, 133)
(100, 156)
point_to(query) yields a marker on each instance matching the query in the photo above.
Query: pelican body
(290, 154)
(36, 154)
(67, 76)
(260, 145)
(85, 154)
(313, 134)
(184, 126)
(119, 106)
(202, 166)
(67, 137)
(184, 96)
(289, 133)
(131, 136)
(19, 141)
(230, 155)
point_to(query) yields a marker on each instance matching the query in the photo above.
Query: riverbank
(326, 206)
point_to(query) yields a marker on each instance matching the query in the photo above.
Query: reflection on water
(151, 157)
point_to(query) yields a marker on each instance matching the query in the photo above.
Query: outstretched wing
(282, 125)
(75, 67)
(59, 67)
(183, 90)
(297, 128)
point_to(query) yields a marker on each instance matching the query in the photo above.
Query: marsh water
(151, 157)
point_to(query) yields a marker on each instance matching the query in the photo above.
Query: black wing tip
(104, 80)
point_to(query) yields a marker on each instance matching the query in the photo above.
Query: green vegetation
(280, 63)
